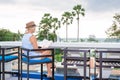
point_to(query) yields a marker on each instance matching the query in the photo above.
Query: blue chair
(7, 57)
(30, 61)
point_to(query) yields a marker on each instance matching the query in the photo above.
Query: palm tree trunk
(78, 29)
(66, 32)
(54, 36)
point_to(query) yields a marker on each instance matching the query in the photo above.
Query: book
(45, 43)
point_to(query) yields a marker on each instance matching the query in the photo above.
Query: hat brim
(31, 26)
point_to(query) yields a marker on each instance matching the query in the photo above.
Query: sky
(14, 14)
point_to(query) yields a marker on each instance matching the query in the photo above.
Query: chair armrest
(9, 47)
(11, 53)
(39, 49)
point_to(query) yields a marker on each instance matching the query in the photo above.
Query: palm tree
(67, 18)
(55, 25)
(77, 10)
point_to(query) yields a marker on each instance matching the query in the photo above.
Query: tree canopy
(47, 27)
(7, 35)
(114, 30)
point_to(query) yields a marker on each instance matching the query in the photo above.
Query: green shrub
(58, 55)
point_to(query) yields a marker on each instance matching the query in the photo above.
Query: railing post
(53, 64)
(95, 66)
(65, 64)
(85, 60)
(21, 64)
(100, 65)
(18, 63)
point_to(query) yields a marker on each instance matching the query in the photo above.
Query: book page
(45, 43)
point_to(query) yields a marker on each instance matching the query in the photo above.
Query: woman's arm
(33, 40)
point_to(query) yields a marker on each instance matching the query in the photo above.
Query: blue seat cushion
(36, 61)
(9, 58)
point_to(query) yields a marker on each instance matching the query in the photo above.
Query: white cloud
(14, 17)
(103, 5)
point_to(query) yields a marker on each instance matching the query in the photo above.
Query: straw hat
(30, 24)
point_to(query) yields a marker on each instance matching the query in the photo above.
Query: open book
(45, 43)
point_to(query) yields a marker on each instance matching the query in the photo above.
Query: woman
(29, 41)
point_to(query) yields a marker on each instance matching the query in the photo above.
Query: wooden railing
(100, 62)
